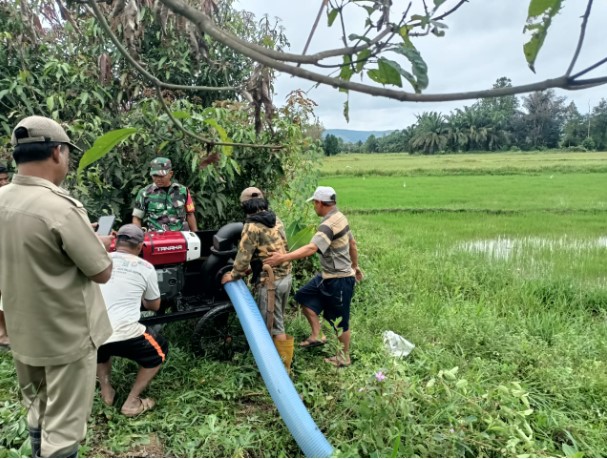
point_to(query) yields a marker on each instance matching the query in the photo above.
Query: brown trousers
(58, 400)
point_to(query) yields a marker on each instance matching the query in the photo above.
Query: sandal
(146, 405)
(337, 362)
(309, 343)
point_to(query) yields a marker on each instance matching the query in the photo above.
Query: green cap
(160, 166)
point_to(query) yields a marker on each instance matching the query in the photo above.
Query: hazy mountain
(354, 136)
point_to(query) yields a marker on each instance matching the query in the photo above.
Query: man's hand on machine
(227, 277)
(106, 241)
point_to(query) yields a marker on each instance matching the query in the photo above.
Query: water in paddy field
(533, 257)
(506, 248)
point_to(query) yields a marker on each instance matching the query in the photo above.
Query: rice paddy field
(493, 265)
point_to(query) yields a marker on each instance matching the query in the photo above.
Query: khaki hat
(160, 166)
(131, 232)
(40, 130)
(324, 194)
(250, 193)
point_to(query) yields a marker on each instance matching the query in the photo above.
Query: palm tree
(431, 133)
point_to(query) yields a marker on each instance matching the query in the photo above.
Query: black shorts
(332, 297)
(148, 350)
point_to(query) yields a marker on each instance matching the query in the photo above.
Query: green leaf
(387, 72)
(223, 135)
(538, 7)
(181, 115)
(332, 16)
(569, 451)
(424, 20)
(390, 71)
(346, 71)
(361, 59)
(103, 145)
(437, 32)
(396, 446)
(301, 238)
(50, 103)
(347, 110)
(353, 37)
(539, 19)
(163, 145)
(374, 75)
(418, 65)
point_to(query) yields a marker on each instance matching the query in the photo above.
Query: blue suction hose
(299, 422)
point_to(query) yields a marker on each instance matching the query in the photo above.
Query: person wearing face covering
(263, 233)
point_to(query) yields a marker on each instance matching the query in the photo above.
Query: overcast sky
(484, 42)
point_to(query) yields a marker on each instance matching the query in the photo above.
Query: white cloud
(484, 42)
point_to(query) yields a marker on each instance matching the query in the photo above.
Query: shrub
(588, 143)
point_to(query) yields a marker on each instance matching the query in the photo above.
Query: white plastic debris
(396, 345)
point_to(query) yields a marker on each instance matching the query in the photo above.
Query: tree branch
(206, 140)
(155, 81)
(323, 5)
(451, 11)
(587, 83)
(207, 26)
(205, 23)
(589, 69)
(580, 42)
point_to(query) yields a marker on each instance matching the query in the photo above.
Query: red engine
(170, 247)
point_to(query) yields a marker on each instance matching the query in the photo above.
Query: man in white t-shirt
(133, 281)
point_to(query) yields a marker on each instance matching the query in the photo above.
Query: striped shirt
(333, 241)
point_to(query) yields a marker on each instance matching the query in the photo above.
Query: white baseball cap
(324, 194)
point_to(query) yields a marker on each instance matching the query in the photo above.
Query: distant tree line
(538, 121)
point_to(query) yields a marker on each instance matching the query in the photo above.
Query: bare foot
(107, 395)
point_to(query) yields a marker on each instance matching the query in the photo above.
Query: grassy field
(557, 192)
(468, 164)
(507, 311)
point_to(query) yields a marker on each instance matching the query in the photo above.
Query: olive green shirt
(54, 313)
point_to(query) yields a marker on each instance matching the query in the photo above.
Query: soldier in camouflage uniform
(164, 205)
(263, 233)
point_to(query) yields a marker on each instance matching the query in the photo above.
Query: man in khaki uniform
(50, 264)
(4, 341)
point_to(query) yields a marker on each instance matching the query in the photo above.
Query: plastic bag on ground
(396, 345)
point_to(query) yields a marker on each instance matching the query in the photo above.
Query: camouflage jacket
(163, 210)
(263, 232)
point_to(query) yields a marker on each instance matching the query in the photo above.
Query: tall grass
(511, 344)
